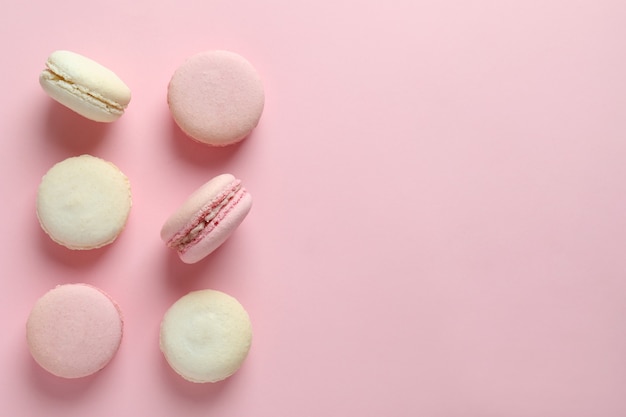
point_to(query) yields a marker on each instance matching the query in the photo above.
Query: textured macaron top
(207, 217)
(83, 202)
(74, 330)
(205, 336)
(85, 86)
(216, 97)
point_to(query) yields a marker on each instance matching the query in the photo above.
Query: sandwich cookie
(205, 336)
(84, 86)
(74, 330)
(207, 218)
(216, 97)
(83, 202)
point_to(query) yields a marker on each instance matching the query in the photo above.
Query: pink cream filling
(208, 218)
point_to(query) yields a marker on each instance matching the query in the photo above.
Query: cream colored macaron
(85, 86)
(83, 202)
(206, 336)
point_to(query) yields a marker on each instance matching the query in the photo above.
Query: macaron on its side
(207, 218)
(205, 336)
(216, 97)
(85, 86)
(83, 202)
(74, 330)
(219, 230)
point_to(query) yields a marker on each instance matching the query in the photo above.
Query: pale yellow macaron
(85, 86)
(206, 336)
(83, 202)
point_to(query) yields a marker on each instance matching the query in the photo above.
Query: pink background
(440, 206)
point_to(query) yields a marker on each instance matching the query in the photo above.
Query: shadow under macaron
(204, 393)
(72, 131)
(181, 278)
(217, 157)
(75, 259)
(57, 387)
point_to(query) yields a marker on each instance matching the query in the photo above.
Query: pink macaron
(207, 218)
(74, 330)
(216, 97)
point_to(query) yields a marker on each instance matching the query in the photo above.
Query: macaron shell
(216, 237)
(85, 86)
(216, 97)
(83, 202)
(194, 203)
(91, 76)
(206, 336)
(78, 101)
(74, 330)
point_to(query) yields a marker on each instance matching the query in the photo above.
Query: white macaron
(84, 86)
(206, 336)
(83, 202)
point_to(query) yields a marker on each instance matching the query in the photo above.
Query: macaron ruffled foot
(85, 86)
(207, 218)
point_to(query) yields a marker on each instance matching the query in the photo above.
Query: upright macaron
(207, 218)
(206, 336)
(83, 202)
(216, 97)
(74, 330)
(85, 86)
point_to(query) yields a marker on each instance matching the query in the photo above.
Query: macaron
(74, 330)
(216, 97)
(84, 86)
(83, 202)
(205, 336)
(207, 218)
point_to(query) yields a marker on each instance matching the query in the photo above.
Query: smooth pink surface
(224, 201)
(216, 97)
(222, 227)
(74, 330)
(439, 221)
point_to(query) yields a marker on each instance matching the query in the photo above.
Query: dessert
(83, 202)
(74, 330)
(207, 218)
(84, 86)
(216, 97)
(205, 336)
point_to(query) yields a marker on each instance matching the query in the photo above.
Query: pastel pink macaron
(207, 218)
(74, 330)
(216, 97)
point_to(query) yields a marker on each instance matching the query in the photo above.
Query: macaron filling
(54, 75)
(208, 217)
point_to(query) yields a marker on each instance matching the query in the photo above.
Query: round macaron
(216, 97)
(74, 330)
(83, 202)
(84, 86)
(207, 218)
(205, 336)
